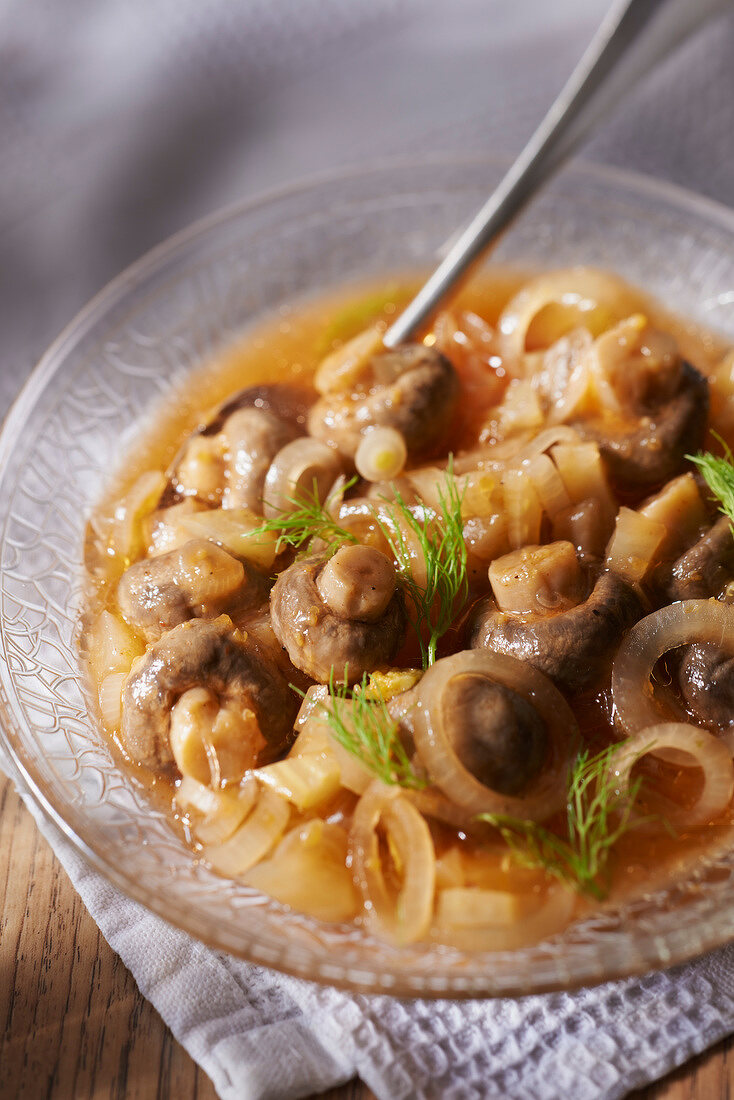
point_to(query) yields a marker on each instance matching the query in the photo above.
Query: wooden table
(76, 1027)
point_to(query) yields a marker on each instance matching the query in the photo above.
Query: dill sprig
(441, 541)
(718, 473)
(308, 521)
(360, 721)
(598, 815)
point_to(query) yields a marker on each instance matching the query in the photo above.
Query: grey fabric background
(121, 122)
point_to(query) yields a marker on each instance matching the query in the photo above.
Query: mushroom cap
(573, 647)
(461, 723)
(703, 570)
(206, 653)
(196, 580)
(321, 642)
(650, 446)
(250, 427)
(706, 678)
(498, 735)
(413, 389)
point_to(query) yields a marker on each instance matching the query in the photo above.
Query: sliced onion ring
(672, 626)
(698, 748)
(407, 918)
(582, 289)
(548, 792)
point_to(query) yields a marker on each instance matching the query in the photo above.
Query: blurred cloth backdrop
(123, 120)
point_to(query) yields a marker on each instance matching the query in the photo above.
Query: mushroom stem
(357, 583)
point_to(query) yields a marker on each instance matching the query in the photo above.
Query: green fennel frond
(718, 473)
(440, 539)
(359, 720)
(308, 521)
(597, 816)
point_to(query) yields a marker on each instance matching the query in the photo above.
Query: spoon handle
(633, 37)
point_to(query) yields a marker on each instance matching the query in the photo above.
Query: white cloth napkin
(119, 123)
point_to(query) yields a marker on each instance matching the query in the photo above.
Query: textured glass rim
(659, 951)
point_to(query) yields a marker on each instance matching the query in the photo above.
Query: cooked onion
(523, 508)
(381, 454)
(582, 472)
(232, 528)
(253, 840)
(672, 626)
(634, 544)
(576, 296)
(406, 918)
(551, 913)
(690, 746)
(308, 871)
(548, 792)
(217, 813)
(110, 699)
(342, 369)
(112, 646)
(549, 437)
(128, 538)
(548, 484)
(682, 512)
(433, 803)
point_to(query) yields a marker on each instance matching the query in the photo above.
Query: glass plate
(71, 425)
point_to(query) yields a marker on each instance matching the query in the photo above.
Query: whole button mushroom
(568, 637)
(493, 734)
(197, 580)
(341, 613)
(413, 389)
(657, 405)
(225, 461)
(214, 655)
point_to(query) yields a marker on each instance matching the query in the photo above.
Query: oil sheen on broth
(439, 640)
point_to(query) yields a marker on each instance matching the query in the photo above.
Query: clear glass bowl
(72, 423)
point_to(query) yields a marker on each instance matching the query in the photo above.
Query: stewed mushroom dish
(440, 639)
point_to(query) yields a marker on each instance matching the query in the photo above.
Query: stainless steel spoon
(634, 36)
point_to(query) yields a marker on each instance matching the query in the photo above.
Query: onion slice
(552, 914)
(672, 626)
(548, 792)
(698, 748)
(406, 918)
(262, 829)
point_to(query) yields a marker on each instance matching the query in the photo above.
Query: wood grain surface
(75, 1027)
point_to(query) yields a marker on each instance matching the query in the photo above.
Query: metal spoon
(634, 36)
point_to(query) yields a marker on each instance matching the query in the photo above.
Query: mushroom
(493, 734)
(543, 618)
(413, 389)
(301, 468)
(225, 461)
(339, 612)
(654, 404)
(210, 654)
(705, 672)
(706, 678)
(283, 400)
(704, 569)
(196, 580)
(253, 438)
(497, 734)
